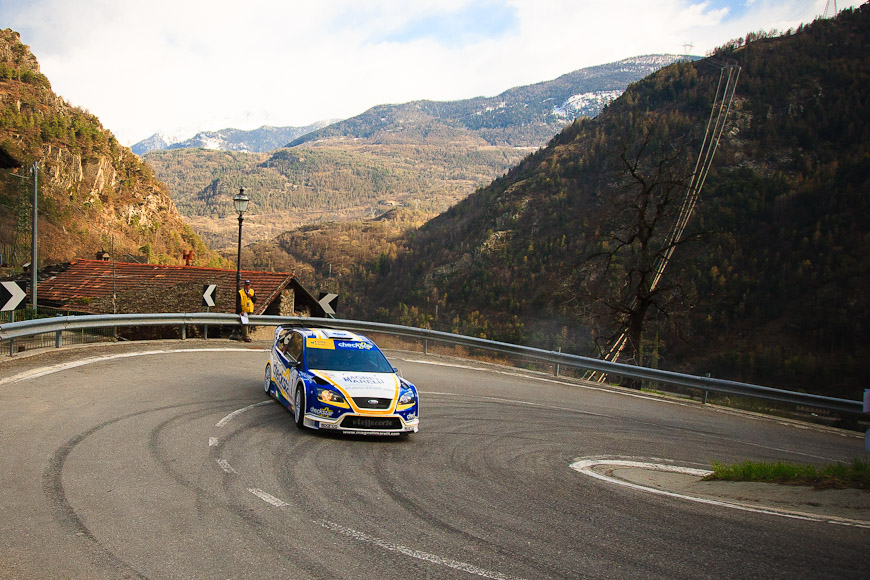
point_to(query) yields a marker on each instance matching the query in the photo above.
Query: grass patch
(832, 476)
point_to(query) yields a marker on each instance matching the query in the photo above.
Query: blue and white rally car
(339, 380)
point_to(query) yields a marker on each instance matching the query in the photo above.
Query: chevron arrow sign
(326, 302)
(11, 295)
(208, 294)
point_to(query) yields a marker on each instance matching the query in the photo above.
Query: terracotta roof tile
(89, 285)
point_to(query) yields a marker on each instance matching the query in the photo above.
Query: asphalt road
(147, 463)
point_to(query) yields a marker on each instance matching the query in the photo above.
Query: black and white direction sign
(327, 302)
(11, 295)
(208, 294)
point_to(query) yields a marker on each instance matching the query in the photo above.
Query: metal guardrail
(15, 330)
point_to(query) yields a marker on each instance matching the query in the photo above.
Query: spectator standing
(246, 295)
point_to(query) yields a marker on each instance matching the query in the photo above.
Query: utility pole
(33, 232)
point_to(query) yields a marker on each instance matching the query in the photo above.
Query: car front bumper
(358, 424)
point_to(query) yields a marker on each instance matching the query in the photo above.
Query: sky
(183, 66)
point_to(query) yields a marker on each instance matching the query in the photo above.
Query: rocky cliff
(94, 194)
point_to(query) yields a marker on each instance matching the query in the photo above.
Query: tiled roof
(90, 285)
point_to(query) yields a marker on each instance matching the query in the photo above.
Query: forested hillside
(770, 282)
(300, 185)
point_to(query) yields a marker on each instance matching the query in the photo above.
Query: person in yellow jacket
(246, 296)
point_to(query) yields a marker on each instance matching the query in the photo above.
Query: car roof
(332, 333)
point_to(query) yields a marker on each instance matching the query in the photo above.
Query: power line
(712, 135)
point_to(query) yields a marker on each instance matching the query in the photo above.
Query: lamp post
(33, 249)
(240, 202)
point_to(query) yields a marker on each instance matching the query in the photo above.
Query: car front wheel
(267, 381)
(299, 406)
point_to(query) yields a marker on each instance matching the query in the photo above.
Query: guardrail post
(12, 340)
(58, 336)
(183, 332)
(557, 364)
(425, 346)
(867, 410)
(205, 331)
(706, 392)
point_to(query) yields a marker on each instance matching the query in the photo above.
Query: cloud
(182, 66)
(459, 26)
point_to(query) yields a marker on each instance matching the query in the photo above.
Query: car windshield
(366, 359)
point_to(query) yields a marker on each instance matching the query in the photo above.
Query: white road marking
(518, 402)
(224, 464)
(238, 412)
(585, 466)
(545, 380)
(212, 441)
(360, 536)
(425, 556)
(270, 499)
(441, 364)
(639, 396)
(41, 372)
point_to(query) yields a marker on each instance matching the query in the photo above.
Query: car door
(294, 356)
(284, 364)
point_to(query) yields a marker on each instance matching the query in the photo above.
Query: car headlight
(407, 398)
(330, 397)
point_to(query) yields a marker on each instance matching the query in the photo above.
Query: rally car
(339, 380)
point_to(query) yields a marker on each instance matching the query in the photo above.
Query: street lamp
(240, 201)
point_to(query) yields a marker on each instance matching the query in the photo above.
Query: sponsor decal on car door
(285, 373)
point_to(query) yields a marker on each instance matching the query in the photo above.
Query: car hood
(360, 384)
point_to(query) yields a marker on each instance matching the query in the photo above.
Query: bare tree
(619, 281)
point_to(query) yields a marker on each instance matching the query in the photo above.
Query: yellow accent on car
(325, 343)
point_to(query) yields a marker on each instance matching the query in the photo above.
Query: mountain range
(551, 244)
(265, 138)
(526, 116)
(542, 109)
(427, 155)
(769, 283)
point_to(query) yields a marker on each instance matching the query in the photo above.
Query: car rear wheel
(299, 407)
(267, 381)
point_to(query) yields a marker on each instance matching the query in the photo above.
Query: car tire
(299, 407)
(267, 382)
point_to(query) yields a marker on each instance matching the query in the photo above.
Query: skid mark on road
(349, 532)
